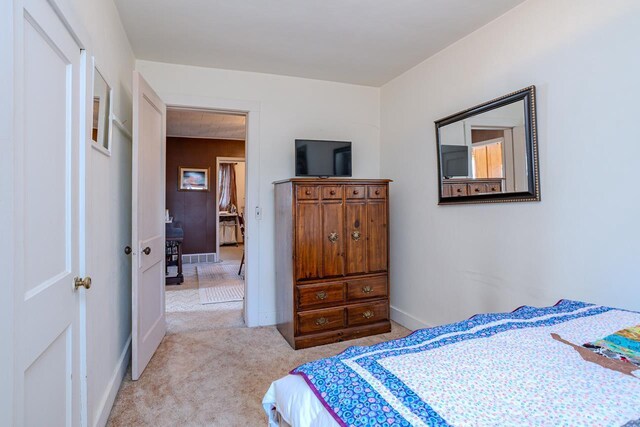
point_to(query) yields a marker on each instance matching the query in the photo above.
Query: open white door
(49, 76)
(148, 226)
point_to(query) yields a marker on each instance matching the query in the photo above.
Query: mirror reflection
(101, 110)
(484, 151)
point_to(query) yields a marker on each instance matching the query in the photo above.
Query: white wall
(583, 240)
(290, 108)
(108, 302)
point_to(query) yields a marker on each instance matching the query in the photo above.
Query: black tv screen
(455, 160)
(323, 158)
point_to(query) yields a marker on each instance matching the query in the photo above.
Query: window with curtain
(227, 186)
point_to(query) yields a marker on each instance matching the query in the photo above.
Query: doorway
(205, 289)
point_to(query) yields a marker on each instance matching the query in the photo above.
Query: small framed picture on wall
(193, 179)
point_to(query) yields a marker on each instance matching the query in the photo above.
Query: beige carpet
(185, 313)
(215, 377)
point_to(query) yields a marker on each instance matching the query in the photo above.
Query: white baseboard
(104, 409)
(407, 320)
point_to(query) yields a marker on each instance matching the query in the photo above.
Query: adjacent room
(205, 200)
(319, 213)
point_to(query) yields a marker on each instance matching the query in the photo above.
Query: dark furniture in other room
(173, 247)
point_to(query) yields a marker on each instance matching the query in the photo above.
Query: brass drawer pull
(377, 192)
(368, 314)
(321, 321)
(356, 192)
(332, 192)
(321, 295)
(367, 289)
(333, 237)
(308, 192)
(355, 235)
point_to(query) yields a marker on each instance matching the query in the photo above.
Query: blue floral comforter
(519, 368)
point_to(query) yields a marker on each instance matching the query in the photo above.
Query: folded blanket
(623, 345)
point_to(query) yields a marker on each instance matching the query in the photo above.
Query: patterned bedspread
(534, 366)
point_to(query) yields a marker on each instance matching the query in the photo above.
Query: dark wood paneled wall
(196, 210)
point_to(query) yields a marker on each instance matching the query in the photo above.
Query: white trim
(220, 160)
(120, 125)
(407, 320)
(104, 408)
(252, 155)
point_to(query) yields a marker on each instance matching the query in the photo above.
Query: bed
(570, 364)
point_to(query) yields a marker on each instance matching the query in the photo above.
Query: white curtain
(227, 186)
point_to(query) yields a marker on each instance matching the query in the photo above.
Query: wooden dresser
(332, 251)
(457, 187)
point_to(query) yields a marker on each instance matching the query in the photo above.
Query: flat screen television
(323, 158)
(455, 160)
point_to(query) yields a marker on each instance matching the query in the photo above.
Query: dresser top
(343, 180)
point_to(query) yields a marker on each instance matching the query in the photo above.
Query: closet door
(355, 238)
(377, 235)
(309, 240)
(333, 239)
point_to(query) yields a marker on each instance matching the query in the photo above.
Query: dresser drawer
(477, 189)
(373, 287)
(307, 192)
(355, 191)
(377, 191)
(495, 187)
(367, 313)
(320, 294)
(458, 190)
(331, 192)
(321, 320)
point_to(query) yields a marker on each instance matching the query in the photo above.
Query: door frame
(219, 161)
(252, 186)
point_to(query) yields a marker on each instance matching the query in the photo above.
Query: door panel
(148, 229)
(48, 76)
(355, 245)
(377, 236)
(308, 240)
(333, 239)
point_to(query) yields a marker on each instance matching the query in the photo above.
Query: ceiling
(205, 124)
(365, 42)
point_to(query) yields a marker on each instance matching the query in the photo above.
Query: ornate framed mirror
(489, 153)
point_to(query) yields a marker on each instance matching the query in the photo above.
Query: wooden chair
(241, 222)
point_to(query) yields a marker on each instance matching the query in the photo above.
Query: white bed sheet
(296, 403)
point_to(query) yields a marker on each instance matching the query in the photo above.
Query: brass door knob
(84, 283)
(333, 237)
(321, 295)
(146, 250)
(127, 250)
(321, 321)
(368, 314)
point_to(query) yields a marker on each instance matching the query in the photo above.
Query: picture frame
(193, 179)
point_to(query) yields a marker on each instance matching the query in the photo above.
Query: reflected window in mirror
(489, 153)
(101, 120)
